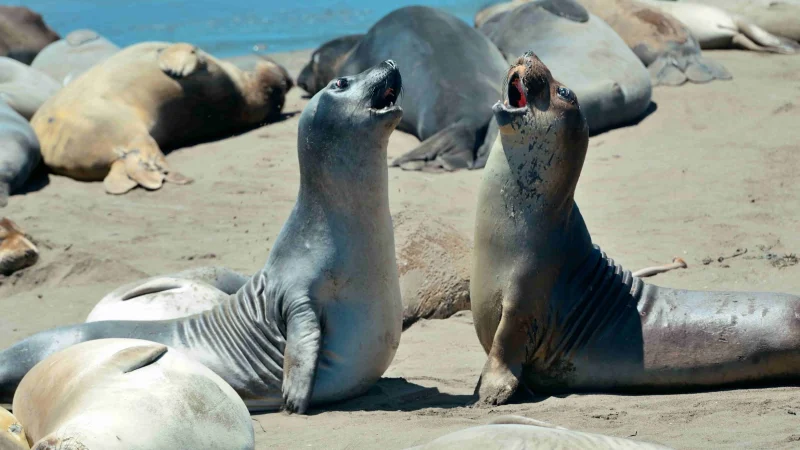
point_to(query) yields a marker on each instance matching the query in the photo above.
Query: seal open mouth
(516, 93)
(384, 98)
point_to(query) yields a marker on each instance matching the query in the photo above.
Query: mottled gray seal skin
(24, 88)
(326, 61)
(582, 52)
(19, 151)
(321, 321)
(451, 83)
(555, 314)
(79, 51)
(517, 432)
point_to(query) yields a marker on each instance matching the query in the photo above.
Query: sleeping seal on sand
(321, 321)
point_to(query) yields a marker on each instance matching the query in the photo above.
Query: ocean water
(233, 27)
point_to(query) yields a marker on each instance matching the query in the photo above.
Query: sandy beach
(712, 173)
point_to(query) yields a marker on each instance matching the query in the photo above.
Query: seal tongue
(522, 101)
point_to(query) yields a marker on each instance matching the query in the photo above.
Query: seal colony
(322, 320)
(112, 122)
(555, 314)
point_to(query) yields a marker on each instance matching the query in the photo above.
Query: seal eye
(341, 83)
(566, 94)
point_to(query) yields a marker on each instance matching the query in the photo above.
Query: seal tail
(451, 148)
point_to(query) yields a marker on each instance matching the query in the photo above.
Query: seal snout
(387, 89)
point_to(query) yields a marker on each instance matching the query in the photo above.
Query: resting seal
(326, 61)
(169, 297)
(664, 44)
(112, 122)
(16, 251)
(321, 321)
(583, 52)
(779, 17)
(555, 314)
(19, 151)
(79, 51)
(127, 393)
(12, 434)
(24, 88)
(715, 28)
(448, 89)
(523, 433)
(23, 33)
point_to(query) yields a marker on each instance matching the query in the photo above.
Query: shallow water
(233, 27)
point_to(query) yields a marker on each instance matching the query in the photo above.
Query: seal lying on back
(79, 51)
(452, 69)
(169, 297)
(23, 33)
(554, 313)
(111, 123)
(715, 28)
(24, 88)
(662, 42)
(321, 321)
(518, 432)
(121, 394)
(582, 51)
(19, 151)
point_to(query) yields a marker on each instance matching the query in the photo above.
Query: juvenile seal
(111, 123)
(321, 321)
(121, 394)
(16, 251)
(24, 88)
(79, 51)
(12, 433)
(555, 314)
(182, 294)
(519, 432)
(583, 52)
(326, 61)
(19, 151)
(662, 42)
(23, 33)
(715, 28)
(448, 89)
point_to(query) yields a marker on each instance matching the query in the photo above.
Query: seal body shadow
(321, 321)
(555, 314)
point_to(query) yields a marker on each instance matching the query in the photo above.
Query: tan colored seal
(112, 122)
(12, 434)
(16, 251)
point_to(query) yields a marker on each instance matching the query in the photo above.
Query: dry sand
(713, 170)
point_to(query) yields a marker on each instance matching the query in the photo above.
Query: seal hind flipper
(665, 71)
(117, 181)
(303, 341)
(703, 70)
(762, 39)
(568, 9)
(134, 358)
(143, 164)
(450, 149)
(180, 60)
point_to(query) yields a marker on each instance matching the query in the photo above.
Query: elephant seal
(555, 314)
(16, 251)
(583, 52)
(779, 17)
(715, 28)
(523, 433)
(19, 151)
(321, 321)
(129, 393)
(23, 33)
(12, 433)
(182, 294)
(326, 61)
(449, 90)
(65, 59)
(24, 88)
(111, 123)
(662, 42)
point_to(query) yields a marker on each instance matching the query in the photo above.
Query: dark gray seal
(556, 315)
(19, 151)
(583, 52)
(451, 73)
(322, 320)
(326, 61)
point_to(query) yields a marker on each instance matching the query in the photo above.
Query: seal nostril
(391, 64)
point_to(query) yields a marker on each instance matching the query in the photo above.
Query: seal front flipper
(180, 60)
(450, 149)
(303, 339)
